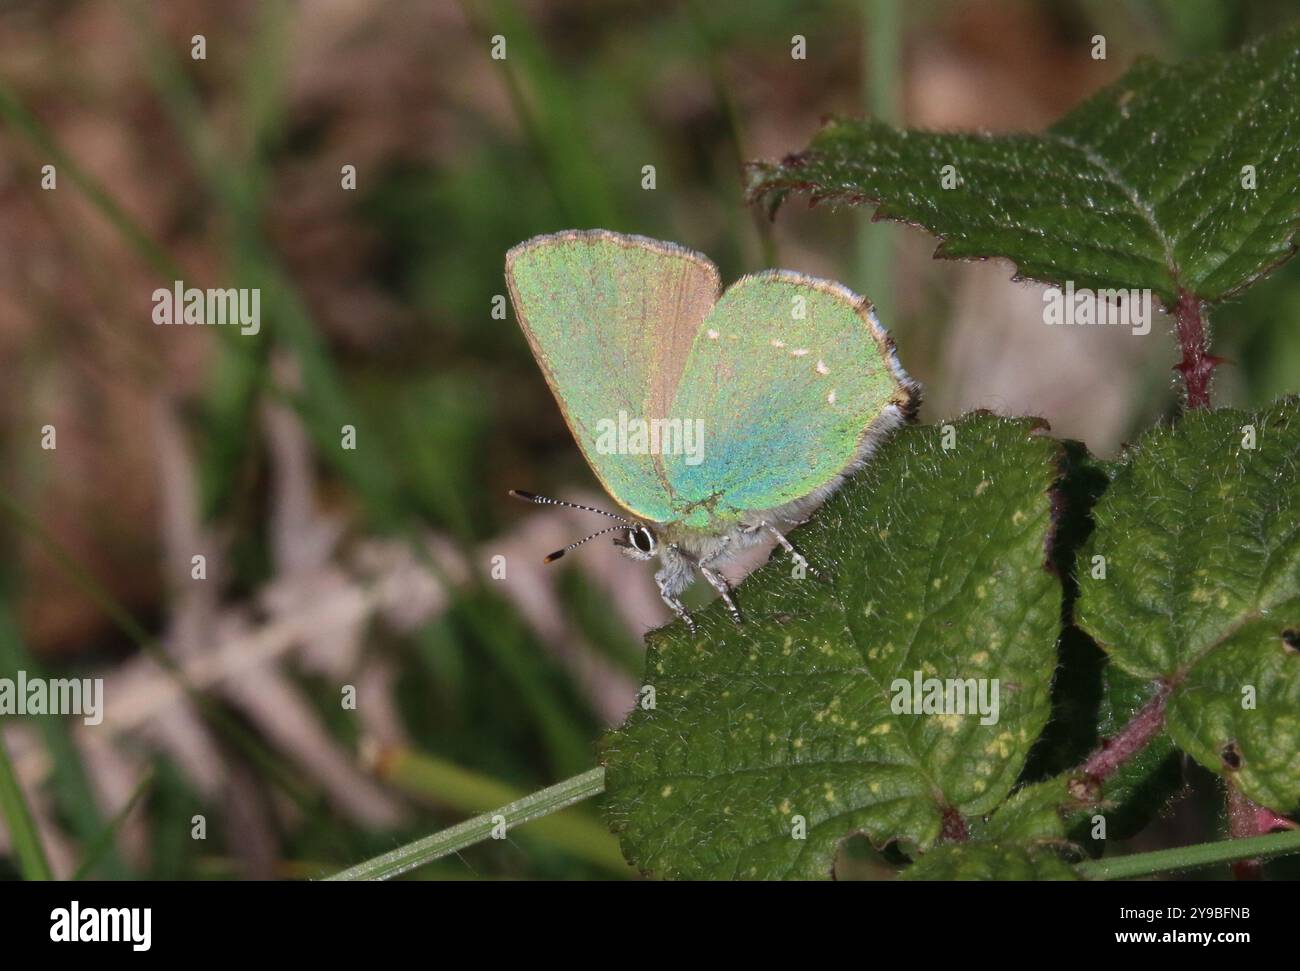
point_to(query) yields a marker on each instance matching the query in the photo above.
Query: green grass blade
(104, 841)
(70, 785)
(18, 819)
(1191, 857)
(458, 837)
(14, 113)
(448, 784)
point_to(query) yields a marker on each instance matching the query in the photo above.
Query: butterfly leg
(795, 555)
(720, 584)
(670, 581)
(679, 610)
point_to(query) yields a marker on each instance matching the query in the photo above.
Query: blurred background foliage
(372, 567)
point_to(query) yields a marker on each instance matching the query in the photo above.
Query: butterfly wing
(794, 379)
(611, 320)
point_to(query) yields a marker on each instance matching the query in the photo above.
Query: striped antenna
(546, 501)
(573, 546)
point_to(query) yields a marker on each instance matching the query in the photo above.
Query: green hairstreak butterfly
(711, 418)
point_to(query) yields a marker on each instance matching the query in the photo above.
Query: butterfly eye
(642, 540)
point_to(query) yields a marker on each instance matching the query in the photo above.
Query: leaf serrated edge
(955, 826)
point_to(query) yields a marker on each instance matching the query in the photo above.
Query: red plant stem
(1131, 739)
(1242, 822)
(1197, 365)
(954, 826)
(1246, 818)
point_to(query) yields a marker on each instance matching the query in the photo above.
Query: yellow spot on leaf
(1000, 746)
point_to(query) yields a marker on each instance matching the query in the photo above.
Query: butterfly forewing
(611, 320)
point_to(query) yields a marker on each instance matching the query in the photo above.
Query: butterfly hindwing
(790, 376)
(611, 320)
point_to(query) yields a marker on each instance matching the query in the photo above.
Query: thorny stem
(1247, 819)
(1197, 364)
(1131, 739)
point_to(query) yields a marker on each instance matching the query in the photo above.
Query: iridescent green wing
(790, 376)
(611, 319)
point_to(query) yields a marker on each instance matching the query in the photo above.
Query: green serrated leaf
(1141, 186)
(1035, 813)
(937, 564)
(1200, 531)
(990, 861)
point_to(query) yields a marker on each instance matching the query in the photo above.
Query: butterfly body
(715, 420)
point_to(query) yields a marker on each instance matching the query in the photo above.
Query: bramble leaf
(990, 861)
(1178, 179)
(1200, 531)
(1022, 840)
(936, 562)
(1036, 813)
